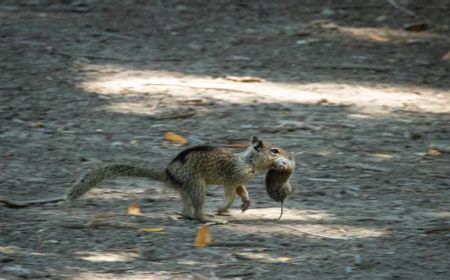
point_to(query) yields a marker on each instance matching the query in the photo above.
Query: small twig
(373, 219)
(21, 204)
(238, 274)
(394, 4)
(31, 227)
(235, 244)
(320, 179)
(122, 59)
(353, 67)
(368, 167)
(346, 125)
(115, 35)
(311, 233)
(200, 87)
(117, 269)
(437, 229)
(96, 224)
(176, 115)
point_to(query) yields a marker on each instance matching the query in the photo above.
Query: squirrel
(190, 173)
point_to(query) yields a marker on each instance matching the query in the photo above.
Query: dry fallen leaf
(134, 209)
(150, 230)
(381, 155)
(284, 259)
(238, 145)
(416, 27)
(37, 125)
(446, 56)
(203, 237)
(433, 152)
(176, 138)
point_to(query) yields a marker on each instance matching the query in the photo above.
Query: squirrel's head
(264, 155)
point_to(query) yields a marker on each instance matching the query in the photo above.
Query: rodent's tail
(282, 209)
(93, 177)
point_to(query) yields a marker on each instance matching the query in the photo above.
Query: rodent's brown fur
(277, 183)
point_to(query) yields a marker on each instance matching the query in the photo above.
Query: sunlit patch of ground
(107, 256)
(126, 88)
(128, 276)
(306, 224)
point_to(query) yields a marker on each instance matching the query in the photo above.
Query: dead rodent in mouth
(277, 182)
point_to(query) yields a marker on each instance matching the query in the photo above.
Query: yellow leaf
(151, 230)
(433, 152)
(134, 209)
(176, 138)
(381, 155)
(284, 259)
(203, 237)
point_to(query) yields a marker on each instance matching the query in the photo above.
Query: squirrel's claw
(245, 205)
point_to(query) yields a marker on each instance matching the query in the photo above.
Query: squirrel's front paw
(245, 205)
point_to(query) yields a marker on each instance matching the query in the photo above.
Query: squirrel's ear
(257, 143)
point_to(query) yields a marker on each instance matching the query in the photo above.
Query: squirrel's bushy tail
(93, 177)
(90, 180)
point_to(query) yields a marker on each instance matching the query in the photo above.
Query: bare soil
(358, 90)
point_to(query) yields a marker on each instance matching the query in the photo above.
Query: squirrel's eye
(274, 151)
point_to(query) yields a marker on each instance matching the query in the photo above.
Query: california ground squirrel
(190, 173)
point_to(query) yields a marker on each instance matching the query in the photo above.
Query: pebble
(195, 46)
(5, 259)
(358, 260)
(327, 12)
(150, 255)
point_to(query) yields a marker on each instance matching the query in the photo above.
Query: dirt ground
(358, 90)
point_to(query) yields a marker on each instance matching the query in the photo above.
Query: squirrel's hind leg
(188, 209)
